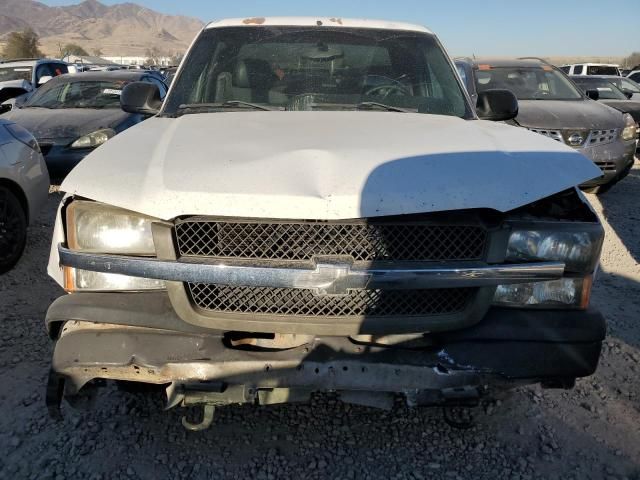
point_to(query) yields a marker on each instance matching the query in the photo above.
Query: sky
(466, 27)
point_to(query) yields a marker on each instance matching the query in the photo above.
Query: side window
(566, 69)
(578, 69)
(44, 70)
(635, 77)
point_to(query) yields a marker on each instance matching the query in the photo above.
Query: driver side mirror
(141, 98)
(593, 94)
(627, 93)
(497, 105)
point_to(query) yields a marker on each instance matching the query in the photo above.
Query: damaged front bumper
(615, 160)
(509, 347)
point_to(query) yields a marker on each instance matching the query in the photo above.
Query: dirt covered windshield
(527, 83)
(78, 94)
(311, 68)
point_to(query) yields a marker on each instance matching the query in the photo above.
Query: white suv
(22, 76)
(591, 69)
(318, 207)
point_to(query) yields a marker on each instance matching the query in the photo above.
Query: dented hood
(324, 165)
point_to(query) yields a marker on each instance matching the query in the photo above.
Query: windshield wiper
(208, 107)
(388, 108)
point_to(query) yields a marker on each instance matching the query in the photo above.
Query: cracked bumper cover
(620, 154)
(153, 345)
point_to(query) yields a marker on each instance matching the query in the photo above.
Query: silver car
(24, 186)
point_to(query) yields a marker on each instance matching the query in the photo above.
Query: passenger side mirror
(628, 93)
(593, 94)
(141, 98)
(497, 105)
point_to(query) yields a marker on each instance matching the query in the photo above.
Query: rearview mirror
(497, 105)
(593, 94)
(141, 98)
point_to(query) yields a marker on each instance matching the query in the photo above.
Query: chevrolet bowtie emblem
(337, 279)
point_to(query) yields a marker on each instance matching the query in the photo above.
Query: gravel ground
(591, 432)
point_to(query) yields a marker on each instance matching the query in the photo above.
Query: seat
(252, 80)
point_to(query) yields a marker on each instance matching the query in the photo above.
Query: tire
(13, 229)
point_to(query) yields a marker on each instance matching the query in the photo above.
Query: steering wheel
(393, 88)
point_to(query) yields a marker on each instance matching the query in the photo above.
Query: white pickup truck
(317, 206)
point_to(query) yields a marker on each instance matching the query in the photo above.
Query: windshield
(527, 83)
(626, 84)
(15, 73)
(78, 94)
(606, 89)
(318, 68)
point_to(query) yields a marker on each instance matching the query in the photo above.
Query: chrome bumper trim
(326, 278)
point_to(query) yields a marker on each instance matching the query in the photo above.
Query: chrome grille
(302, 241)
(553, 134)
(594, 138)
(602, 137)
(306, 303)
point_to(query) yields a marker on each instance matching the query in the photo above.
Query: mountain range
(123, 29)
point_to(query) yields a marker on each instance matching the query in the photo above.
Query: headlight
(629, 132)
(23, 135)
(94, 139)
(97, 228)
(578, 246)
(565, 293)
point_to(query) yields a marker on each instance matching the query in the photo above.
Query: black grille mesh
(289, 301)
(303, 241)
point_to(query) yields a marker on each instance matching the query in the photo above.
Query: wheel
(13, 229)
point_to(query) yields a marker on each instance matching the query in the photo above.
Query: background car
(552, 105)
(18, 77)
(591, 69)
(610, 95)
(635, 76)
(170, 75)
(73, 115)
(24, 186)
(630, 88)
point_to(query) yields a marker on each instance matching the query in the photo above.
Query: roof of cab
(115, 76)
(509, 62)
(316, 21)
(27, 62)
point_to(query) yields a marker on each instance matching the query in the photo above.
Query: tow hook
(209, 396)
(208, 412)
